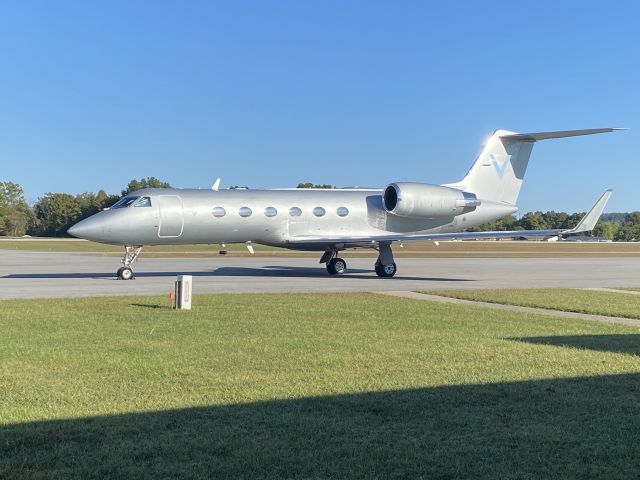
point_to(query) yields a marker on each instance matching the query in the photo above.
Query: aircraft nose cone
(73, 231)
(79, 229)
(89, 228)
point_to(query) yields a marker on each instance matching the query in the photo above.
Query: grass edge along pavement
(586, 301)
(312, 386)
(470, 249)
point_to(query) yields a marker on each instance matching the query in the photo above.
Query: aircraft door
(171, 218)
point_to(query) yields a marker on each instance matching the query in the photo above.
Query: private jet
(333, 220)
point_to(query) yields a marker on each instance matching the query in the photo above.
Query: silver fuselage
(180, 216)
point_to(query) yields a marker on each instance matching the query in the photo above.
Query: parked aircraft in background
(332, 220)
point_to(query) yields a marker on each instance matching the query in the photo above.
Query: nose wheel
(131, 253)
(124, 273)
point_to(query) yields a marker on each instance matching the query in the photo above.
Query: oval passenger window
(295, 212)
(245, 212)
(342, 211)
(319, 211)
(218, 212)
(270, 212)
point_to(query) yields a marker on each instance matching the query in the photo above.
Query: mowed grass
(312, 386)
(83, 246)
(468, 249)
(569, 299)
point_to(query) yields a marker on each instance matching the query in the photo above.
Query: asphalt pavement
(29, 274)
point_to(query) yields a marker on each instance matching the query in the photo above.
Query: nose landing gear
(130, 255)
(124, 273)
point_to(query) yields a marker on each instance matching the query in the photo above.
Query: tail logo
(500, 166)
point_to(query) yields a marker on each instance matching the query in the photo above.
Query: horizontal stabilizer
(498, 172)
(534, 137)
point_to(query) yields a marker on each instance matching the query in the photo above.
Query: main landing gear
(385, 267)
(335, 265)
(130, 255)
(385, 271)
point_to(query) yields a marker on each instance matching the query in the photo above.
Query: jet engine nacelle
(421, 200)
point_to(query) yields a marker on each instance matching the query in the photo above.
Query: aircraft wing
(587, 223)
(375, 239)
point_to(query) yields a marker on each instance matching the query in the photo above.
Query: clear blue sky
(271, 93)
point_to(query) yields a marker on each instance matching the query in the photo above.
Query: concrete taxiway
(27, 274)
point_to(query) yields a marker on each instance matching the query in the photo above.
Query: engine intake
(421, 200)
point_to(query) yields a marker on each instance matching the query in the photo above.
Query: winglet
(216, 185)
(589, 221)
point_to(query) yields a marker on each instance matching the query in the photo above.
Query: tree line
(54, 213)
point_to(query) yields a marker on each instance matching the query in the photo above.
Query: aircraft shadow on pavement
(583, 427)
(624, 343)
(290, 271)
(267, 271)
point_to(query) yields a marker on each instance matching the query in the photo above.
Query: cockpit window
(143, 202)
(124, 202)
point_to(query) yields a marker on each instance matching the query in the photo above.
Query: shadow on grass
(567, 428)
(150, 305)
(625, 343)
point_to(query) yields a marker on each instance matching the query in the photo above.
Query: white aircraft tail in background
(498, 172)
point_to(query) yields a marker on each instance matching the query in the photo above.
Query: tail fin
(498, 172)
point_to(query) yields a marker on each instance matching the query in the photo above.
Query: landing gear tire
(125, 273)
(336, 266)
(131, 253)
(386, 271)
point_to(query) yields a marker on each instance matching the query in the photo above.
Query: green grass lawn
(571, 300)
(471, 249)
(64, 245)
(312, 386)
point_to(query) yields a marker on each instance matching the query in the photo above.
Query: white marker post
(183, 292)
